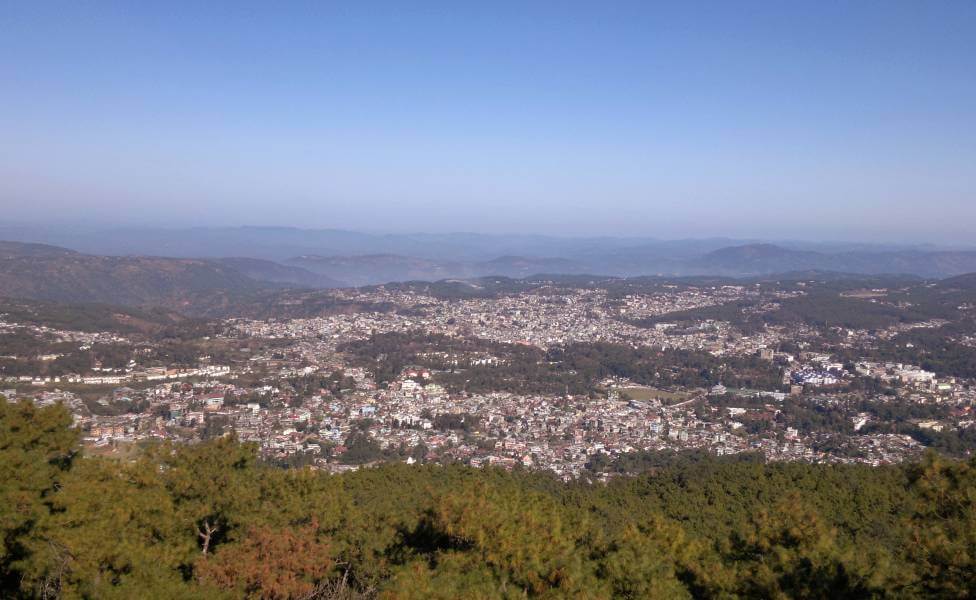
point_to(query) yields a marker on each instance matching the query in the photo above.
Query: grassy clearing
(648, 393)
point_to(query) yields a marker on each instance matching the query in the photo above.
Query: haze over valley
(106, 266)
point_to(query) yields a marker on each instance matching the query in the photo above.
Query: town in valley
(577, 376)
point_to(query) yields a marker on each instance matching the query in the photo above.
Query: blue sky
(813, 120)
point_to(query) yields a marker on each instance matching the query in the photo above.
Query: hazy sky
(844, 120)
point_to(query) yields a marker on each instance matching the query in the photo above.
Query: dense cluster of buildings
(539, 319)
(266, 399)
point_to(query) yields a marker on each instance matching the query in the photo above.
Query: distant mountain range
(382, 268)
(282, 243)
(735, 261)
(766, 259)
(270, 272)
(47, 272)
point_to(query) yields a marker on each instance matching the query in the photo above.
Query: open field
(649, 393)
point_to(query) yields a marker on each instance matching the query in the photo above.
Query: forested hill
(210, 521)
(192, 286)
(72, 277)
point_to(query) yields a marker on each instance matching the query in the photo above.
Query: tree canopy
(211, 521)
